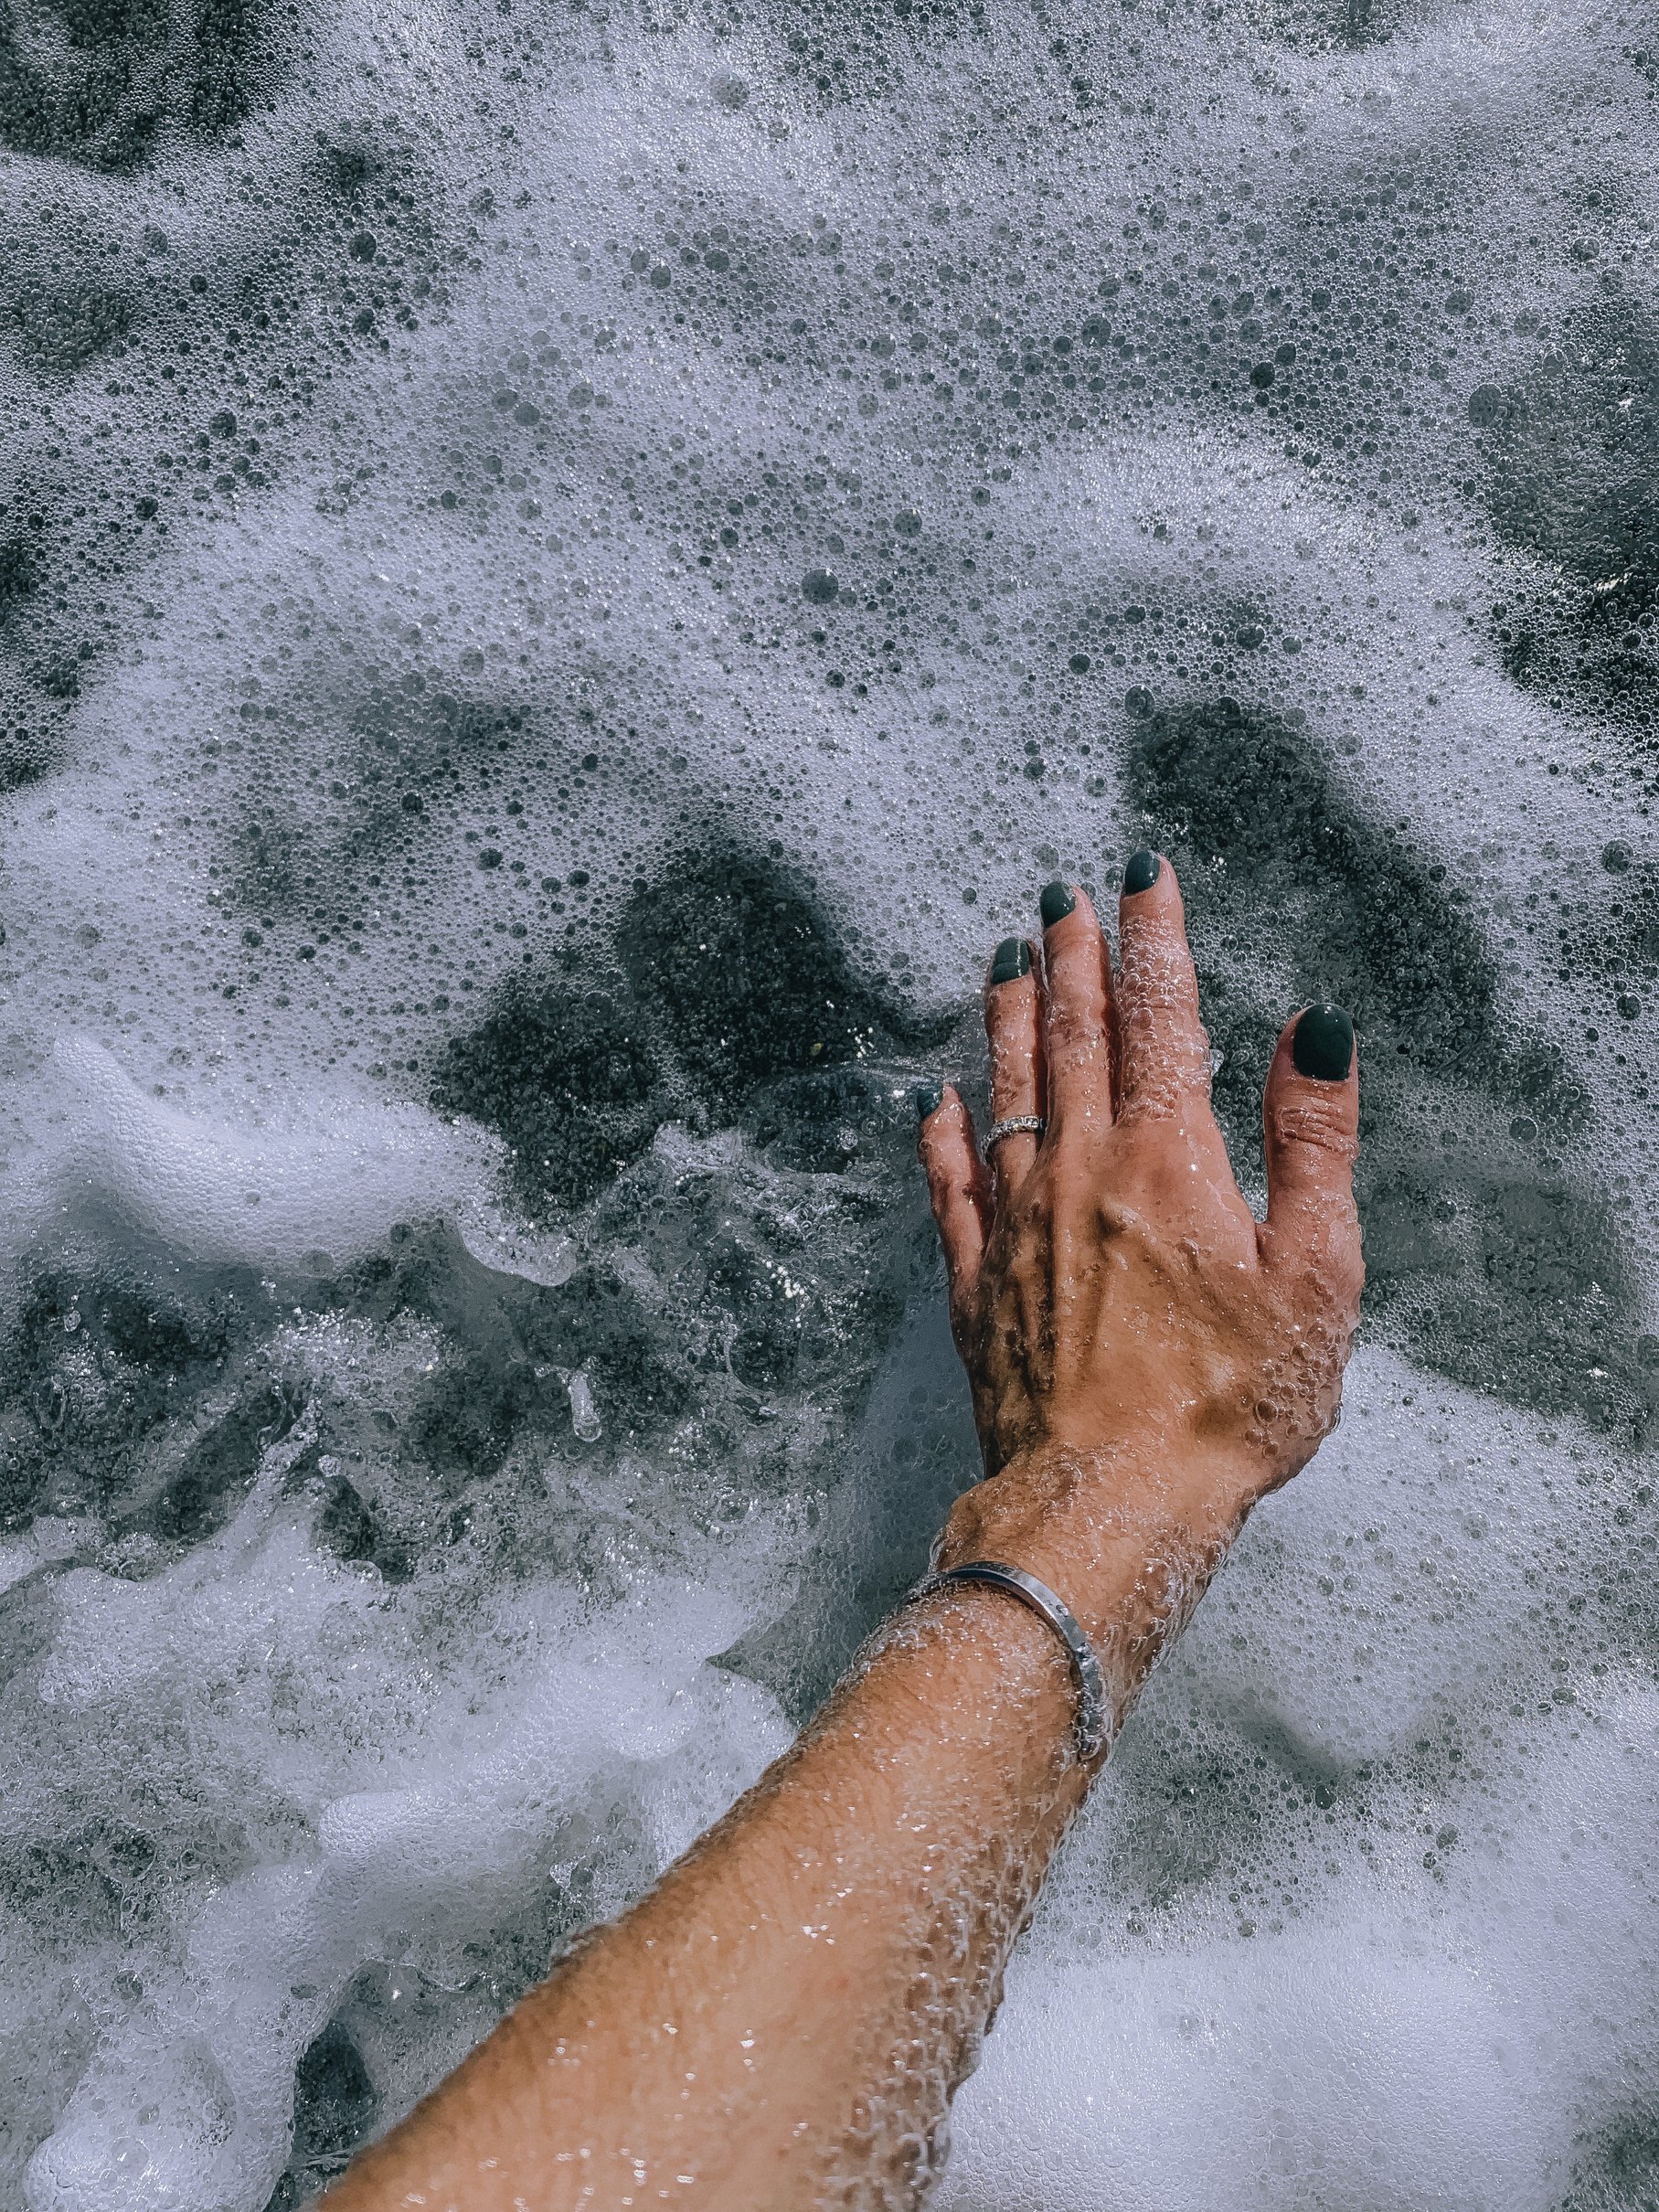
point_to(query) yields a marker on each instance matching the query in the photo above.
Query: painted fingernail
(927, 1099)
(1322, 1045)
(1141, 872)
(1055, 903)
(1013, 960)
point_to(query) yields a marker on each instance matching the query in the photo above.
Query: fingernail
(927, 1099)
(1322, 1045)
(1141, 872)
(1013, 959)
(1055, 904)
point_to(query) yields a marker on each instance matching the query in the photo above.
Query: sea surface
(565, 571)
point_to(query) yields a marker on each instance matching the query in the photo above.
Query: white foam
(308, 751)
(326, 1176)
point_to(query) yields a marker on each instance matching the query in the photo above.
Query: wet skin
(1139, 1346)
(781, 2021)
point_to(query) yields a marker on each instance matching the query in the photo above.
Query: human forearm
(781, 2021)
(799, 1993)
(829, 1954)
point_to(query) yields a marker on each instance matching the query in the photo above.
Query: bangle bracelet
(1093, 1721)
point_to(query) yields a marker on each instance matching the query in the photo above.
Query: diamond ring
(1016, 1125)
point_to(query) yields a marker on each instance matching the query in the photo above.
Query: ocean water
(564, 572)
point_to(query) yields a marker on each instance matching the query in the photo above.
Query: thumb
(1311, 1119)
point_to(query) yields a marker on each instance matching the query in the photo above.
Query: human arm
(781, 2021)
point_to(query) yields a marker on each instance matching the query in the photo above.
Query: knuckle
(1333, 1275)
(1315, 1122)
(1077, 1024)
(1163, 1018)
(1077, 958)
(1013, 1053)
(949, 1180)
(1165, 1073)
(1155, 944)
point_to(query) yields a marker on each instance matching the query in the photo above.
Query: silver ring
(1016, 1125)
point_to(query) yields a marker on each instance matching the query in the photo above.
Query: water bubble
(428, 814)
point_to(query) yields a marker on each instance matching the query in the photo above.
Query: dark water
(563, 574)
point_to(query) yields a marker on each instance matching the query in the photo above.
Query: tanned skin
(781, 2021)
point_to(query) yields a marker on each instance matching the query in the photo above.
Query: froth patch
(615, 1720)
(330, 1177)
(1317, 2072)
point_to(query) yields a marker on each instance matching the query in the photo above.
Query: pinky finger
(959, 1185)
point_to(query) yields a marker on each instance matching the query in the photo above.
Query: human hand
(1142, 1353)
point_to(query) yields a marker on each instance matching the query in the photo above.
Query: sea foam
(563, 575)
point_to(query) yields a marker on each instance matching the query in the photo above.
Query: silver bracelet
(1093, 1719)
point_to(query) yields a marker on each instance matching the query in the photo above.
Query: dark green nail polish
(1140, 873)
(1013, 960)
(1055, 904)
(927, 1099)
(1322, 1045)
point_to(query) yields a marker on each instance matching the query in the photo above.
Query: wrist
(1128, 1534)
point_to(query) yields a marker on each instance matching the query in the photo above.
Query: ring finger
(1013, 1027)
